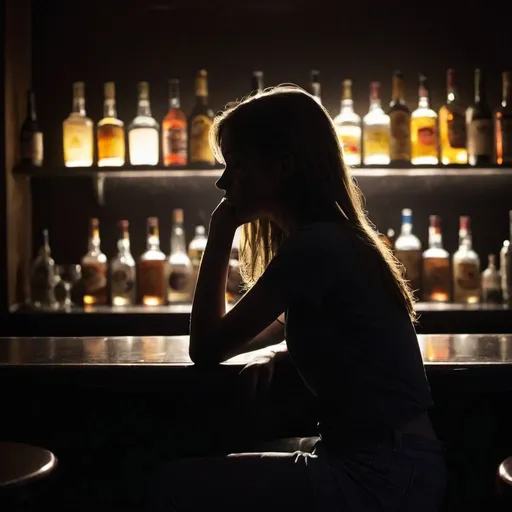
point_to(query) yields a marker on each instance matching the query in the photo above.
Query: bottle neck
(109, 108)
(435, 238)
(123, 245)
(506, 90)
(153, 242)
(178, 243)
(144, 107)
(406, 228)
(423, 101)
(31, 107)
(479, 88)
(79, 105)
(465, 239)
(398, 90)
(95, 242)
(174, 102)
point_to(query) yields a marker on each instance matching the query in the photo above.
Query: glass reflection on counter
(436, 348)
(153, 348)
(95, 350)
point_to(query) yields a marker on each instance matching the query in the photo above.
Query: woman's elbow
(201, 356)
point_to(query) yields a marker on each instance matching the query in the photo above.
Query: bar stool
(20, 466)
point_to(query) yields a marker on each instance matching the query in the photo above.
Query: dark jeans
(400, 473)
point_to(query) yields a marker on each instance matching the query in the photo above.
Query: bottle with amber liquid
(94, 269)
(424, 144)
(152, 269)
(174, 129)
(200, 122)
(400, 125)
(375, 130)
(122, 270)
(452, 126)
(110, 132)
(466, 266)
(436, 265)
(503, 122)
(196, 249)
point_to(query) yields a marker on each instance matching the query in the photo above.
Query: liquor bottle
(400, 124)
(94, 268)
(143, 132)
(436, 265)
(508, 266)
(424, 145)
(376, 132)
(31, 136)
(348, 127)
(174, 129)
(234, 284)
(466, 267)
(122, 271)
(179, 289)
(77, 132)
(196, 249)
(452, 126)
(42, 277)
(200, 122)
(152, 269)
(257, 82)
(479, 125)
(408, 251)
(491, 283)
(503, 122)
(504, 252)
(315, 87)
(110, 132)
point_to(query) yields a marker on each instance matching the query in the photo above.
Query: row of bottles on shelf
(455, 135)
(154, 280)
(436, 277)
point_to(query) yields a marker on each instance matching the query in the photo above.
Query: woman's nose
(223, 182)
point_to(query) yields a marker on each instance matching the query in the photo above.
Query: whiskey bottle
(503, 122)
(200, 122)
(196, 250)
(257, 82)
(466, 267)
(110, 132)
(408, 251)
(504, 252)
(174, 129)
(152, 269)
(77, 132)
(436, 265)
(94, 269)
(452, 126)
(122, 271)
(376, 130)
(315, 88)
(400, 124)
(143, 132)
(491, 283)
(31, 136)
(424, 145)
(180, 283)
(479, 125)
(348, 127)
(42, 277)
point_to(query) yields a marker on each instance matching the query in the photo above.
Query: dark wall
(132, 40)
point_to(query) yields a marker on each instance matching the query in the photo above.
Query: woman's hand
(224, 217)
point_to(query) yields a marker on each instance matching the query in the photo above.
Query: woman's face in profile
(249, 183)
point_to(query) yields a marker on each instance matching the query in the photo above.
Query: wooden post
(15, 197)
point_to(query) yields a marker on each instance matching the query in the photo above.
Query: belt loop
(397, 440)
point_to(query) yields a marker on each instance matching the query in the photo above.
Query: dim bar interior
(108, 180)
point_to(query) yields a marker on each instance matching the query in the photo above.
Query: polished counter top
(447, 351)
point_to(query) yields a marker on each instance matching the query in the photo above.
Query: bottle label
(412, 261)
(376, 140)
(436, 279)
(400, 142)
(506, 134)
(94, 277)
(200, 150)
(427, 136)
(78, 144)
(175, 142)
(32, 148)
(457, 130)
(480, 137)
(123, 282)
(179, 280)
(467, 276)
(152, 278)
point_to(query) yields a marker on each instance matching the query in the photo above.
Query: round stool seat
(21, 464)
(505, 471)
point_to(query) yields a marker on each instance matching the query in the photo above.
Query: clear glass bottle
(466, 266)
(479, 125)
(491, 283)
(196, 249)
(180, 282)
(504, 252)
(257, 82)
(110, 132)
(174, 129)
(94, 268)
(452, 126)
(348, 127)
(152, 269)
(315, 88)
(42, 277)
(376, 130)
(143, 132)
(408, 251)
(77, 132)
(31, 136)
(436, 265)
(122, 271)
(424, 143)
(503, 122)
(400, 124)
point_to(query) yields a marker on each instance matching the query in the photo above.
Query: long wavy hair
(286, 121)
